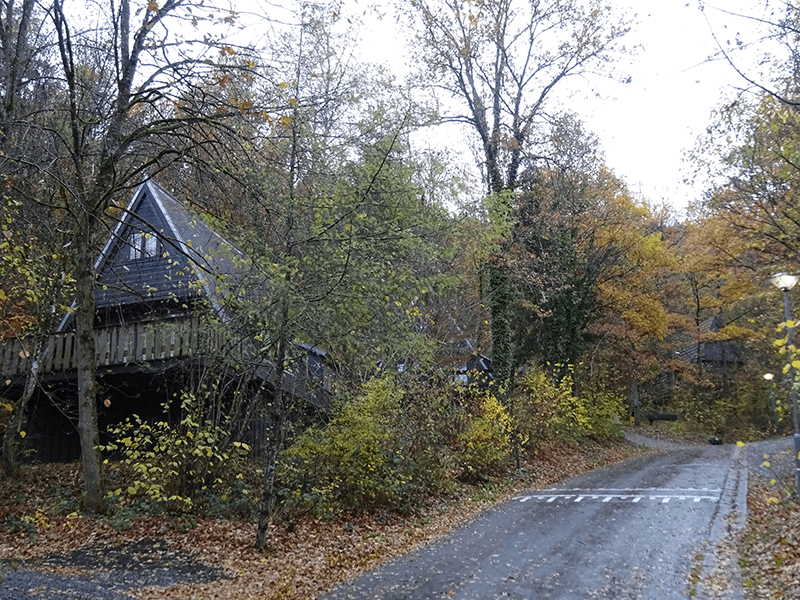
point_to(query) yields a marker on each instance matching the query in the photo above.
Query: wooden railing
(181, 338)
(117, 345)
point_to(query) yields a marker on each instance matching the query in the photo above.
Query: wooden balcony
(116, 346)
(128, 347)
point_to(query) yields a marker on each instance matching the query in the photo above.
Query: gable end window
(142, 245)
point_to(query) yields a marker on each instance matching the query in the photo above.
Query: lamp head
(784, 281)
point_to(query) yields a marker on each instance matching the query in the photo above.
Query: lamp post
(773, 406)
(786, 282)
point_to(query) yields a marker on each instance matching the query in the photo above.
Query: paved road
(635, 530)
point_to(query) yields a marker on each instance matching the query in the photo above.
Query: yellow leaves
(740, 444)
(3, 296)
(22, 434)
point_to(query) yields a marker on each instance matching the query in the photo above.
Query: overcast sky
(647, 126)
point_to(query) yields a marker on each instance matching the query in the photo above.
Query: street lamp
(773, 406)
(785, 282)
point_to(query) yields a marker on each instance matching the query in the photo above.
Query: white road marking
(629, 490)
(634, 496)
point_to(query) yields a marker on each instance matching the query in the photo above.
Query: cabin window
(143, 245)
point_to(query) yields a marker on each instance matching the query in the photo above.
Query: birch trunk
(12, 434)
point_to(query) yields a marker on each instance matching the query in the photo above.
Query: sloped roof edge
(184, 226)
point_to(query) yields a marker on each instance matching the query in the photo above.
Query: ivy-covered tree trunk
(500, 287)
(500, 307)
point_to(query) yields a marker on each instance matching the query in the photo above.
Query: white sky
(646, 126)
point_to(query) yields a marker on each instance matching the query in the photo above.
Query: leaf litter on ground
(215, 558)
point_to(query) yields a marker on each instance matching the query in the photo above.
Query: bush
(533, 407)
(545, 409)
(354, 463)
(426, 433)
(606, 413)
(485, 444)
(175, 466)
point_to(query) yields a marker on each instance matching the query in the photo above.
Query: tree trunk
(12, 433)
(500, 292)
(88, 431)
(633, 399)
(276, 438)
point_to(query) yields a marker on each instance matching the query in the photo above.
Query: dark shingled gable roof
(208, 251)
(191, 261)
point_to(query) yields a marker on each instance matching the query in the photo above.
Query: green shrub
(485, 444)
(545, 409)
(606, 411)
(426, 434)
(174, 466)
(353, 463)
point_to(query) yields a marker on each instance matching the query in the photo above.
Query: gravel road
(102, 573)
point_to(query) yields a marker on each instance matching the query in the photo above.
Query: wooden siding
(118, 346)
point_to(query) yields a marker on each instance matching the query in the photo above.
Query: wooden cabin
(718, 358)
(477, 371)
(160, 312)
